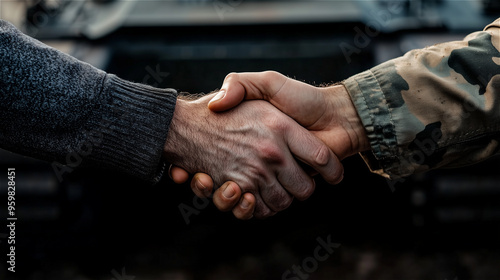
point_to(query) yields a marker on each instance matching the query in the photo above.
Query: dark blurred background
(96, 224)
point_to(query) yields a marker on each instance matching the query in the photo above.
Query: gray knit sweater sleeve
(56, 108)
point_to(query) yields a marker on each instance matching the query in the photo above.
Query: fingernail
(170, 172)
(218, 96)
(245, 204)
(229, 192)
(200, 186)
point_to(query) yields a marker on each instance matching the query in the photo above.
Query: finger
(202, 185)
(276, 196)
(230, 95)
(270, 197)
(178, 174)
(249, 86)
(227, 196)
(292, 97)
(295, 180)
(262, 210)
(310, 150)
(245, 208)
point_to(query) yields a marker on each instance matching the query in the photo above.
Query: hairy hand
(327, 112)
(255, 146)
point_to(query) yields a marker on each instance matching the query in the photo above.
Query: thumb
(248, 86)
(230, 95)
(301, 101)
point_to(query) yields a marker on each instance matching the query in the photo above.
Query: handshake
(431, 108)
(266, 150)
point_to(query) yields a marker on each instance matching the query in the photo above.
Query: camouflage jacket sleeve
(433, 107)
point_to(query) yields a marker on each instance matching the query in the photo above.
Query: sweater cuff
(133, 128)
(371, 105)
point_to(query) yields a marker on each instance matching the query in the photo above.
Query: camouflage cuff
(370, 102)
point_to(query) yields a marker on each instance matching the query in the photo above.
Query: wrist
(190, 127)
(351, 121)
(177, 138)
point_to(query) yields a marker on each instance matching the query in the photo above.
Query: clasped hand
(252, 149)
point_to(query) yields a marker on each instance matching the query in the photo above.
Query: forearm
(435, 107)
(56, 108)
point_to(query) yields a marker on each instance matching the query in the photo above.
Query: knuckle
(277, 199)
(280, 203)
(306, 190)
(284, 203)
(275, 122)
(231, 76)
(254, 174)
(273, 81)
(270, 152)
(271, 75)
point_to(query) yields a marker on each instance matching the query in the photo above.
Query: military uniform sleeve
(58, 109)
(433, 107)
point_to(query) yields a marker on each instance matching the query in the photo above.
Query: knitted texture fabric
(56, 108)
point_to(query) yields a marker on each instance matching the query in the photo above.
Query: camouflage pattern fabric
(433, 107)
